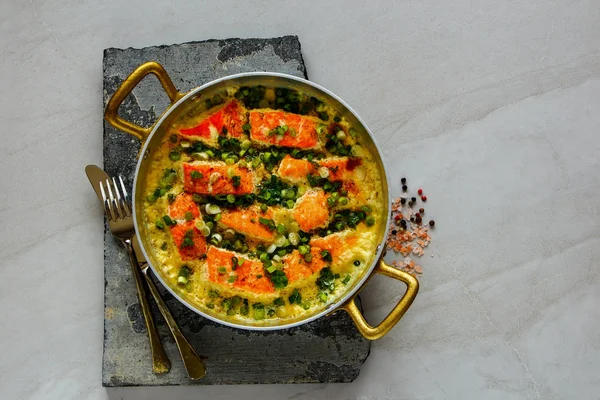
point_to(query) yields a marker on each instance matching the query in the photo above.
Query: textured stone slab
(327, 350)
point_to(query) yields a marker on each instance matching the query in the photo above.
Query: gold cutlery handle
(160, 362)
(191, 360)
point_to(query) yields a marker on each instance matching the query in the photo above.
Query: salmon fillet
(229, 117)
(338, 169)
(336, 243)
(196, 249)
(247, 222)
(183, 204)
(311, 210)
(301, 132)
(296, 268)
(214, 179)
(249, 276)
(295, 170)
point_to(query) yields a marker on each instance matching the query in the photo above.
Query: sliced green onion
(185, 143)
(370, 221)
(323, 297)
(221, 270)
(340, 135)
(294, 238)
(189, 216)
(205, 231)
(210, 225)
(229, 234)
(279, 242)
(246, 144)
(230, 161)
(182, 280)
(218, 217)
(281, 229)
(210, 153)
(230, 198)
(271, 248)
(174, 155)
(160, 224)
(202, 156)
(264, 207)
(151, 198)
(366, 209)
(343, 200)
(290, 203)
(271, 269)
(324, 172)
(216, 239)
(212, 209)
(303, 249)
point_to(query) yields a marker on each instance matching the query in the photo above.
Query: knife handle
(160, 361)
(191, 360)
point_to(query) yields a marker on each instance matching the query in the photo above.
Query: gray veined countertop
(491, 107)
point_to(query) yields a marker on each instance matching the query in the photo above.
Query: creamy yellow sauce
(244, 305)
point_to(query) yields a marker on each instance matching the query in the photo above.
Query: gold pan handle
(377, 332)
(111, 113)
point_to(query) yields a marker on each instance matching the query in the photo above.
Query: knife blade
(96, 175)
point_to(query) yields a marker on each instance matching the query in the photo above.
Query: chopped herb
(169, 221)
(232, 278)
(278, 302)
(196, 175)
(325, 281)
(160, 224)
(259, 276)
(268, 222)
(323, 297)
(213, 294)
(295, 297)
(164, 246)
(346, 279)
(189, 216)
(221, 270)
(171, 198)
(279, 279)
(236, 180)
(326, 255)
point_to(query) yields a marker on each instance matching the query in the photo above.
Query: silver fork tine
(118, 200)
(105, 201)
(125, 199)
(111, 201)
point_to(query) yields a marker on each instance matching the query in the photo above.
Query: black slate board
(327, 350)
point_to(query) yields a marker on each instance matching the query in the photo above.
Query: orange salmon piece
(336, 244)
(296, 268)
(228, 117)
(183, 204)
(249, 276)
(179, 233)
(214, 179)
(294, 170)
(311, 210)
(262, 123)
(241, 220)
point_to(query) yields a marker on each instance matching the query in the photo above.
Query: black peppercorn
(403, 200)
(394, 232)
(404, 187)
(414, 199)
(357, 263)
(410, 203)
(431, 223)
(403, 180)
(422, 210)
(412, 219)
(403, 223)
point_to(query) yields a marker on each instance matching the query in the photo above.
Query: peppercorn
(422, 210)
(431, 223)
(424, 198)
(417, 215)
(402, 200)
(418, 220)
(414, 199)
(403, 180)
(403, 223)
(410, 203)
(404, 188)
(412, 219)
(420, 191)
(394, 232)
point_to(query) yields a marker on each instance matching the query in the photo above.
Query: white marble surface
(492, 106)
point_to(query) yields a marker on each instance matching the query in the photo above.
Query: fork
(120, 218)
